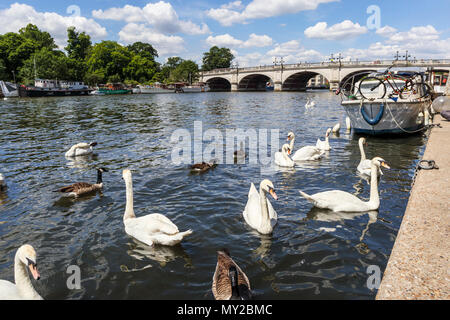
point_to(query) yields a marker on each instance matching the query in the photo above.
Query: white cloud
(258, 9)
(344, 30)
(166, 45)
(19, 15)
(160, 15)
(386, 31)
(422, 33)
(226, 40)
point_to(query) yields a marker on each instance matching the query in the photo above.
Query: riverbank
(418, 267)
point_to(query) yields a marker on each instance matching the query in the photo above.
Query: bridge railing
(333, 64)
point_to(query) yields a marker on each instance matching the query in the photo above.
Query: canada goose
(282, 158)
(204, 166)
(2, 182)
(81, 149)
(239, 153)
(152, 228)
(341, 201)
(229, 281)
(307, 153)
(259, 213)
(82, 188)
(23, 288)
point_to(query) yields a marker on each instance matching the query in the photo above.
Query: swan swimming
(341, 201)
(81, 149)
(282, 158)
(150, 229)
(2, 182)
(229, 281)
(349, 124)
(324, 145)
(259, 213)
(23, 289)
(307, 153)
(309, 103)
(365, 165)
(337, 128)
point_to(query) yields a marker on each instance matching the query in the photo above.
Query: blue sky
(256, 30)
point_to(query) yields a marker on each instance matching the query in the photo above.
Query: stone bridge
(294, 77)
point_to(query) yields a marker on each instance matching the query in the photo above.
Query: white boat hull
(384, 116)
(145, 90)
(195, 89)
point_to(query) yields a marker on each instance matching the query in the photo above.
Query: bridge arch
(298, 81)
(254, 82)
(219, 84)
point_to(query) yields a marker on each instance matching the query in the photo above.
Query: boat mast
(35, 76)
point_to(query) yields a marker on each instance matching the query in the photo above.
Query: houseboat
(54, 88)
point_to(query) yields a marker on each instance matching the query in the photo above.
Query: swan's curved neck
(361, 148)
(286, 156)
(374, 196)
(129, 211)
(291, 145)
(264, 206)
(23, 282)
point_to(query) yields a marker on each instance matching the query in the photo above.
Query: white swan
(307, 153)
(2, 182)
(337, 128)
(282, 158)
(23, 289)
(150, 229)
(365, 165)
(341, 201)
(309, 103)
(349, 124)
(259, 213)
(324, 145)
(81, 149)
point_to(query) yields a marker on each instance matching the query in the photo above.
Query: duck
(309, 103)
(229, 281)
(307, 153)
(81, 149)
(204, 166)
(2, 182)
(23, 288)
(349, 124)
(337, 128)
(341, 201)
(259, 213)
(282, 158)
(365, 165)
(152, 229)
(324, 145)
(239, 154)
(82, 188)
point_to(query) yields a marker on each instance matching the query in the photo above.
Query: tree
(217, 58)
(140, 68)
(78, 46)
(145, 50)
(186, 71)
(95, 78)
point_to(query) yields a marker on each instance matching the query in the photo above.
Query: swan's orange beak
(385, 165)
(289, 151)
(34, 272)
(273, 194)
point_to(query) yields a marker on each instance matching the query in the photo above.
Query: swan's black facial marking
(31, 263)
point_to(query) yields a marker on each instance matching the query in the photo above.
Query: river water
(311, 254)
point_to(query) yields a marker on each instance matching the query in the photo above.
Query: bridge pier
(234, 87)
(278, 86)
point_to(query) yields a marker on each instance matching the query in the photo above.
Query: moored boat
(155, 88)
(54, 88)
(112, 89)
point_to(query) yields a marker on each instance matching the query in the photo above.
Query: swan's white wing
(307, 153)
(337, 200)
(272, 214)
(364, 167)
(279, 160)
(8, 291)
(252, 211)
(157, 223)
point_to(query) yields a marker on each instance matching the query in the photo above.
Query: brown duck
(82, 188)
(204, 166)
(229, 281)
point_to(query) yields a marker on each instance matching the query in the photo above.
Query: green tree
(186, 71)
(78, 44)
(95, 78)
(217, 58)
(141, 69)
(145, 50)
(50, 64)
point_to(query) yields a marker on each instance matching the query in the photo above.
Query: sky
(257, 31)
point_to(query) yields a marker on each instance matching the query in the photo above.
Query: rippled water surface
(311, 254)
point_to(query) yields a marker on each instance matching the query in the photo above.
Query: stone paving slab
(418, 267)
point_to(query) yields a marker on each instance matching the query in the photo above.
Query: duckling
(229, 281)
(82, 188)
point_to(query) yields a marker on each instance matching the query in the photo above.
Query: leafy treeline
(32, 52)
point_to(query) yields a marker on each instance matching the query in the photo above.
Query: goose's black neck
(234, 284)
(99, 176)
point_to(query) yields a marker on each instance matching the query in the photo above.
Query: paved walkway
(418, 267)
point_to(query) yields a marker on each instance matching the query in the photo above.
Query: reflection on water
(311, 254)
